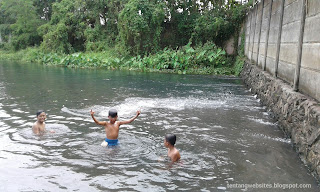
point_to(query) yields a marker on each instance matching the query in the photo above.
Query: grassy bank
(204, 59)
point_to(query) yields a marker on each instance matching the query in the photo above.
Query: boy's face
(41, 117)
(112, 119)
(166, 143)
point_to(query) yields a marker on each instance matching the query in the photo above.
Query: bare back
(174, 154)
(112, 130)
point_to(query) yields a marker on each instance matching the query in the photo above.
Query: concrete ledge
(298, 115)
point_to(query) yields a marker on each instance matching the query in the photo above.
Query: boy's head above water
(39, 112)
(170, 139)
(41, 116)
(113, 113)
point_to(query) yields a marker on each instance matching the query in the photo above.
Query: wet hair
(171, 139)
(113, 113)
(39, 112)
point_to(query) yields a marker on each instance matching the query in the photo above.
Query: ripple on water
(261, 121)
(262, 136)
(4, 114)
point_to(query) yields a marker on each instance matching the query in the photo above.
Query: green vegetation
(148, 35)
(237, 68)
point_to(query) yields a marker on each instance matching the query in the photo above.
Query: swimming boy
(112, 126)
(39, 126)
(169, 142)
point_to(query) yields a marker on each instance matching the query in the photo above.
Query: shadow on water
(226, 137)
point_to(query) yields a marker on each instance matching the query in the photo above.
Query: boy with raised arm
(112, 126)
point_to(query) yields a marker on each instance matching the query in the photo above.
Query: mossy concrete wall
(282, 38)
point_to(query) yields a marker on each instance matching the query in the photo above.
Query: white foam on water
(74, 112)
(56, 117)
(261, 121)
(4, 114)
(57, 128)
(130, 105)
(75, 118)
(262, 136)
(20, 122)
(13, 118)
(18, 111)
(28, 124)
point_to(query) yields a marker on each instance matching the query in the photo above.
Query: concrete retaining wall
(298, 115)
(282, 38)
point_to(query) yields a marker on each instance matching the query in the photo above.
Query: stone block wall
(298, 115)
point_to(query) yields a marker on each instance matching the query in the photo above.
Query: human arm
(95, 120)
(130, 120)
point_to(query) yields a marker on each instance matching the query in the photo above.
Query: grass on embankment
(205, 59)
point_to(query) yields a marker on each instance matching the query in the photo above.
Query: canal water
(228, 141)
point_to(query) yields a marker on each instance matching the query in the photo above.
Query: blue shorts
(111, 142)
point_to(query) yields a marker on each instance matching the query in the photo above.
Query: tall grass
(202, 59)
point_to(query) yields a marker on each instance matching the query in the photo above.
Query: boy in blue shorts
(112, 126)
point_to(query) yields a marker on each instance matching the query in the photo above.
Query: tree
(44, 8)
(65, 31)
(102, 30)
(219, 23)
(179, 22)
(20, 21)
(82, 25)
(140, 26)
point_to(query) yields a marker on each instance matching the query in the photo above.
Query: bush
(201, 59)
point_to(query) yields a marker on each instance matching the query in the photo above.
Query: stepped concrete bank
(298, 115)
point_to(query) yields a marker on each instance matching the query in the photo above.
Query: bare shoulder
(177, 154)
(103, 123)
(35, 128)
(35, 125)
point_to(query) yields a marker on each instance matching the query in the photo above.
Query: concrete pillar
(279, 39)
(300, 43)
(249, 33)
(262, 2)
(254, 31)
(267, 37)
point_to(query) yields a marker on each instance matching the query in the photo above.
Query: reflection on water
(223, 133)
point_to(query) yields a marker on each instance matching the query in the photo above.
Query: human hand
(138, 112)
(91, 112)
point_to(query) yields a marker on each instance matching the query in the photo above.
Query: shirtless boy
(39, 126)
(112, 126)
(169, 142)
